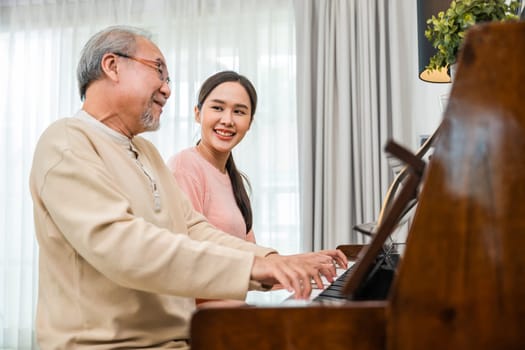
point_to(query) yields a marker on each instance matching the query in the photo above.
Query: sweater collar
(85, 116)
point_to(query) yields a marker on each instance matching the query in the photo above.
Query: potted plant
(446, 31)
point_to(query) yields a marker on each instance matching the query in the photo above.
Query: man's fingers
(329, 272)
(282, 273)
(341, 259)
(338, 256)
(318, 281)
(304, 290)
(292, 279)
(298, 273)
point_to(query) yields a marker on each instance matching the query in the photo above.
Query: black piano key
(335, 289)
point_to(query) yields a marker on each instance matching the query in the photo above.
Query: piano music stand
(369, 228)
(390, 215)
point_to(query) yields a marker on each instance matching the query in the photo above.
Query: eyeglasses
(158, 66)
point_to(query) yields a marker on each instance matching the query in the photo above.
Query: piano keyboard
(334, 291)
(281, 297)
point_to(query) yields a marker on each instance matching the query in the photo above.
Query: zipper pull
(156, 197)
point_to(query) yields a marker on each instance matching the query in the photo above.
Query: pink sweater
(209, 190)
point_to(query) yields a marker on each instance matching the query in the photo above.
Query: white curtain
(40, 43)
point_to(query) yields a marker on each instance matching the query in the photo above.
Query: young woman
(206, 172)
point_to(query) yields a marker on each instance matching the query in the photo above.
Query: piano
(460, 283)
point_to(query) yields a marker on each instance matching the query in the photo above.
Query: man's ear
(197, 114)
(109, 66)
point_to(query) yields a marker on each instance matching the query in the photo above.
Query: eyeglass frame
(157, 65)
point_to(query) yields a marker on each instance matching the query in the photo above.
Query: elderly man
(122, 253)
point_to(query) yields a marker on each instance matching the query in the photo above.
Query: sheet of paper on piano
(284, 297)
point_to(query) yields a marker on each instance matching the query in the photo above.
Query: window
(198, 38)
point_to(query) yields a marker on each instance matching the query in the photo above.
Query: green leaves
(447, 30)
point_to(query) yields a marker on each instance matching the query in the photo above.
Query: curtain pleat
(345, 115)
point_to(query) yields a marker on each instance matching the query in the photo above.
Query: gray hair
(112, 39)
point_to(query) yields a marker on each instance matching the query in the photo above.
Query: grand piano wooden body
(461, 281)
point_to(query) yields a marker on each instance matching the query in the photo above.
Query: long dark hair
(238, 179)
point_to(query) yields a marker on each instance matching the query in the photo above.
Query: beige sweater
(122, 252)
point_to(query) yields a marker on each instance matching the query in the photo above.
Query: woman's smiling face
(225, 117)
